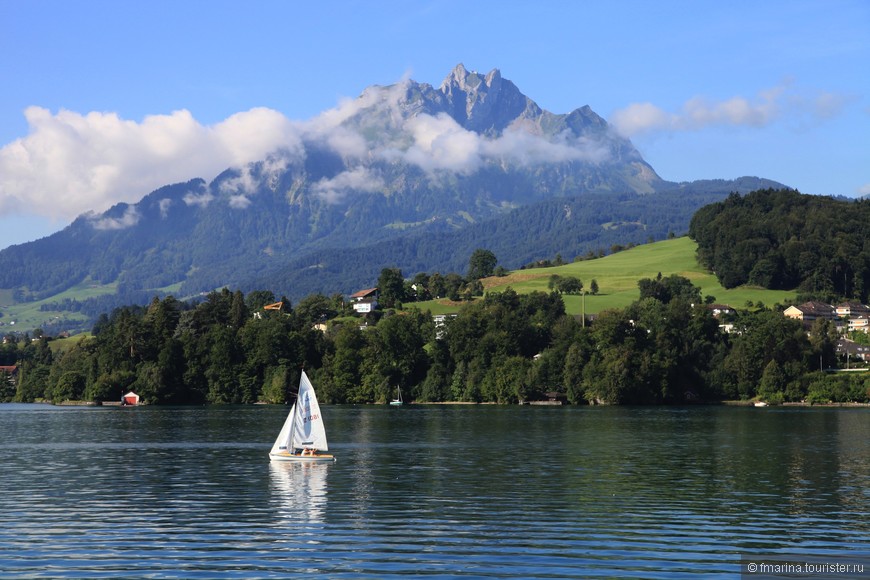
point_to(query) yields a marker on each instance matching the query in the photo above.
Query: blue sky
(104, 101)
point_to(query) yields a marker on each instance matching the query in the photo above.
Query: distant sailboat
(398, 400)
(303, 434)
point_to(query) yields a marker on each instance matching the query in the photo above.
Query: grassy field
(28, 316)
(617, 276)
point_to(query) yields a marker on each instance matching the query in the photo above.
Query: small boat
(303, 436)
(398, 400)
(760, 404)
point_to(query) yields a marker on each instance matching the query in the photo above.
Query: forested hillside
(782, 239)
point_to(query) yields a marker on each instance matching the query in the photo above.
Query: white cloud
(164, 205)
(336, 189)
(528, 149)
(129, 219)
(200, 198)
(239, 202)
(249, 177)
(71, 163)
(440, 143)
(864, 190)
(698, 112)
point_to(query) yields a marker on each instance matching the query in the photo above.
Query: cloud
(250, 177)
(129, 219)
(864, 190)
(239, 202)
(440, 143)
(164, 205)
(360, 179)
(699, 113)
(528, 149)
(70, 163)
(200, 198)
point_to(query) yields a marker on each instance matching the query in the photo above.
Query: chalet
(9, 373)
(810, 311)
(365, 301)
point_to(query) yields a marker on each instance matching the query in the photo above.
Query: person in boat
(307, 451)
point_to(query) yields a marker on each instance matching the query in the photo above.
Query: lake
(452, 491)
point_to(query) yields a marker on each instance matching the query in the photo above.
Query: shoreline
(731, 403)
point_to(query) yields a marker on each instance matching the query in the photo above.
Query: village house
(9, 373)
(720, 309)
(440, 321)
(852, 309)
(859, 324)
(810, 311)
(853, 350)
(847, 316)
(365, 301)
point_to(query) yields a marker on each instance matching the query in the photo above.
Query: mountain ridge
(396, 165)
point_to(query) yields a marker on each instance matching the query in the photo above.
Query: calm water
(436, 491)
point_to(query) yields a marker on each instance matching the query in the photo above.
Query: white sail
(308, 430)
(283, 443)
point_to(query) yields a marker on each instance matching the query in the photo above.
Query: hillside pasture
(617, 276)
(28, 316)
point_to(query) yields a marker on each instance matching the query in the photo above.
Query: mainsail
(308, 429)
(304, 428)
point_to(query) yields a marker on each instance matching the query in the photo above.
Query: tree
(391, 286)
(593, 286)
(481, 264)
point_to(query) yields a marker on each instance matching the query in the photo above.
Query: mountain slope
(374, 178)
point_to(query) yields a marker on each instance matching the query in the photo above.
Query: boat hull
(301, 458)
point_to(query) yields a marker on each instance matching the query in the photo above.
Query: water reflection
(299, 490)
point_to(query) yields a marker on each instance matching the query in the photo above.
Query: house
(440, 321)
(809, 311)
(10, 373)
(850, 309)
(365, 301)
(720, 309)
(852, 349)
(859, 323)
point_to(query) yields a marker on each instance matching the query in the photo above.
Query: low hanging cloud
(130, 218)
(439, 143)
(699, 113)
(357, 180)
(71, 163)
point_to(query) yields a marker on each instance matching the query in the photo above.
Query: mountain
(403, 170)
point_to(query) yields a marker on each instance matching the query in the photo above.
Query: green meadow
(617, 276)
(28, 316)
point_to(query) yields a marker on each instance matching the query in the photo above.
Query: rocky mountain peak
(482, 103)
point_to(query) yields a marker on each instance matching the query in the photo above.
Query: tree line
(504, 347)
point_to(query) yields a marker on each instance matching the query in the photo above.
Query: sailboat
(303, 435)
(398, 400)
